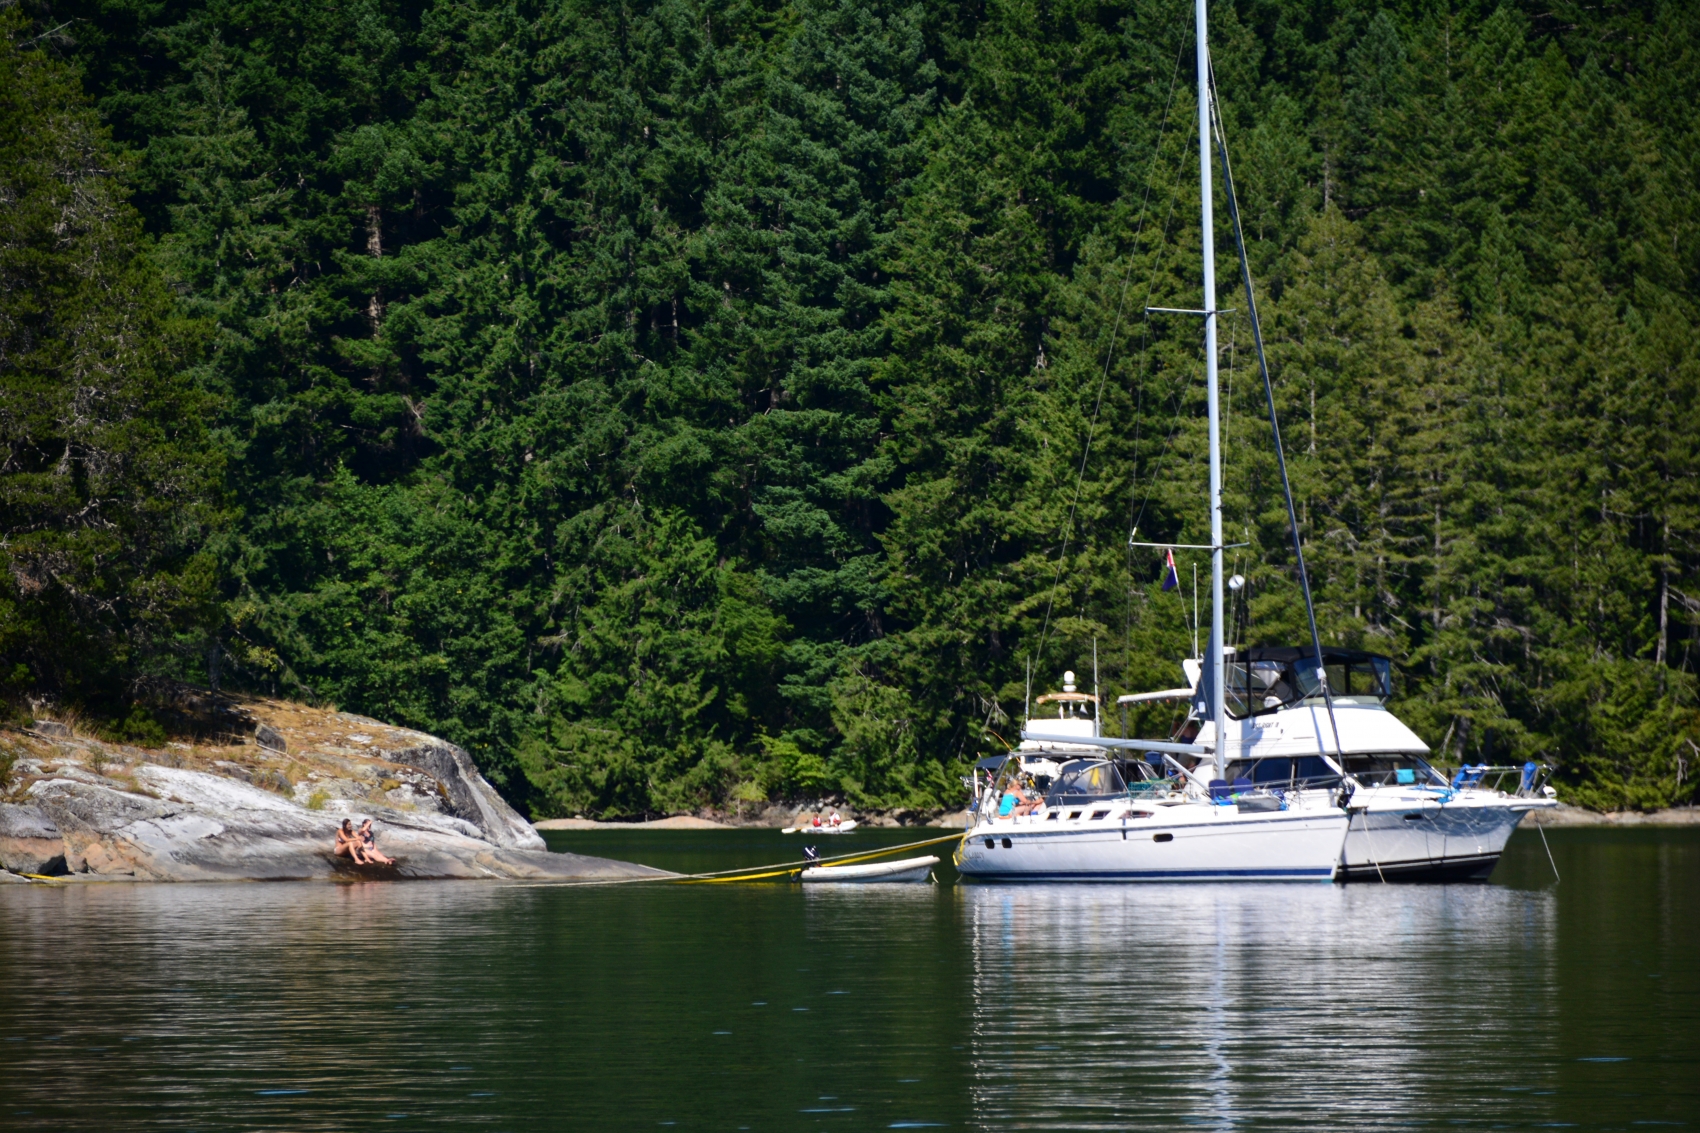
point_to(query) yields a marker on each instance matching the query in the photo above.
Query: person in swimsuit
(369, 845)
(348, 844)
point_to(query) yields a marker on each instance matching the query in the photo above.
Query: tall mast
(1213, 655)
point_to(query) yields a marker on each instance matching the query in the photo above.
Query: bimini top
(1290, 653)
(1266, 678)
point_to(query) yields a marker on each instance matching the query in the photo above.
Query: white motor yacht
(1408, 821)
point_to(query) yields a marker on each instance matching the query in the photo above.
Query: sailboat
(1105, 819)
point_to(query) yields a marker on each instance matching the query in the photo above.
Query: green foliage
(695, 399)
(108, 487)
(140, 727)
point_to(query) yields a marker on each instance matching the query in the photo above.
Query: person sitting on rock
(369, 845)
(348, 843)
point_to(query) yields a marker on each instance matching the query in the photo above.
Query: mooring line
(1541, 826)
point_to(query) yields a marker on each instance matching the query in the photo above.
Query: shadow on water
(1518, 1004)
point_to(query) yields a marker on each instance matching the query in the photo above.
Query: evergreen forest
(696, 402)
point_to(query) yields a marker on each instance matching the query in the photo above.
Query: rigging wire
(1274, 422)
(1109, 354)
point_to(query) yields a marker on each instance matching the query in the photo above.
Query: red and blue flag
(1171, 580)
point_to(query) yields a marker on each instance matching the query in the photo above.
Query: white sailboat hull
(1188, 842)
(1421, 835)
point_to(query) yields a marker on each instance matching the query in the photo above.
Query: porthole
(989, 843)
(1162, 837)
(1097, 814)
(1006, 843)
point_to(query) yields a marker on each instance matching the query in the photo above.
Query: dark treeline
(697, 401)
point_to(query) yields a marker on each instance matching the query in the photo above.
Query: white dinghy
(843, 827)
(907, 871)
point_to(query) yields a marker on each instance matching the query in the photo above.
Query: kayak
(909, 870)
(844, 827)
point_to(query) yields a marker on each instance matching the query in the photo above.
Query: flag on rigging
(1171, 580)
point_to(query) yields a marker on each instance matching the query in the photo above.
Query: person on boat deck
(348, 843)
(1031, 800)
(1018, 801)
(369, 845)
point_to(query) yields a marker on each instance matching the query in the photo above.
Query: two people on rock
(360, 845)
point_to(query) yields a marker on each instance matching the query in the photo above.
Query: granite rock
(470, 796)
(29, 841)
(195, 826)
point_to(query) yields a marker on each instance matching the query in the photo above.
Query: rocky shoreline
(261, 801)
(1567, 815)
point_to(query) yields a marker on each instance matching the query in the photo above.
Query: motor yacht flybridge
(1289, 765)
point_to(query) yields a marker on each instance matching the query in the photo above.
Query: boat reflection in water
(1117, 1007)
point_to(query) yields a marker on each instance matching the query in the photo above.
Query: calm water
(466, 1005)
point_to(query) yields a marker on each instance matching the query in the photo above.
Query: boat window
(1097, 814)
(1258, 686)
(1392, 770)
(1274, 772)
(1365, 680)
(1139, 771)
(1084, 781)
(1263, 684)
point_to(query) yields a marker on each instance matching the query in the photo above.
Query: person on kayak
(816, 823)
(835, 820)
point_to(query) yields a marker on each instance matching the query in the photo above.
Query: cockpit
(1088, 780)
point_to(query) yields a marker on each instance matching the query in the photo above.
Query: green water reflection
(765, 1007)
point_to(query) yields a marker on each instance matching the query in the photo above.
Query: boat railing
(1228, 790)
(1525, 780)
